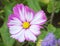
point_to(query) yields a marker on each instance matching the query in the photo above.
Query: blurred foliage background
(51, 8)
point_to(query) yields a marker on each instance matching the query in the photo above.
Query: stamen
(26, 25)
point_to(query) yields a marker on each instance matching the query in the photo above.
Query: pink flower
(24, 23)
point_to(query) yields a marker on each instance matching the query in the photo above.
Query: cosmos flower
(49, 40)
(25, 24)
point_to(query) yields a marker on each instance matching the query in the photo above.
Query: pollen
(26, 25)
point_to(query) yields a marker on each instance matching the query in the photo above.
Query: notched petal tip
(29, 9)
(44, 15)
(20, 40)
(17, 5)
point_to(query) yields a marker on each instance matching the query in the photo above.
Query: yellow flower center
(26, 25)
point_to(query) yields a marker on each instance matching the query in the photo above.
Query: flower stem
(51, 18)
(52, 14)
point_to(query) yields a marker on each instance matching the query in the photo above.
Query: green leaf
(6, 36)
(53, 6)
(57, 5)
(44, 1)
(7, 40)
(8, 9)
(57, 33)
(51, 28)
(5, 2)
(34, 5)
(50, 7)
(1, 44)
(43, 34)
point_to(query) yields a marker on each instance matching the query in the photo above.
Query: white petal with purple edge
(19, 11)
(29, 13)
(35, 29)
(20, 36)
(15, 21)
(30, 36)
(40, 18)
(15, 29)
